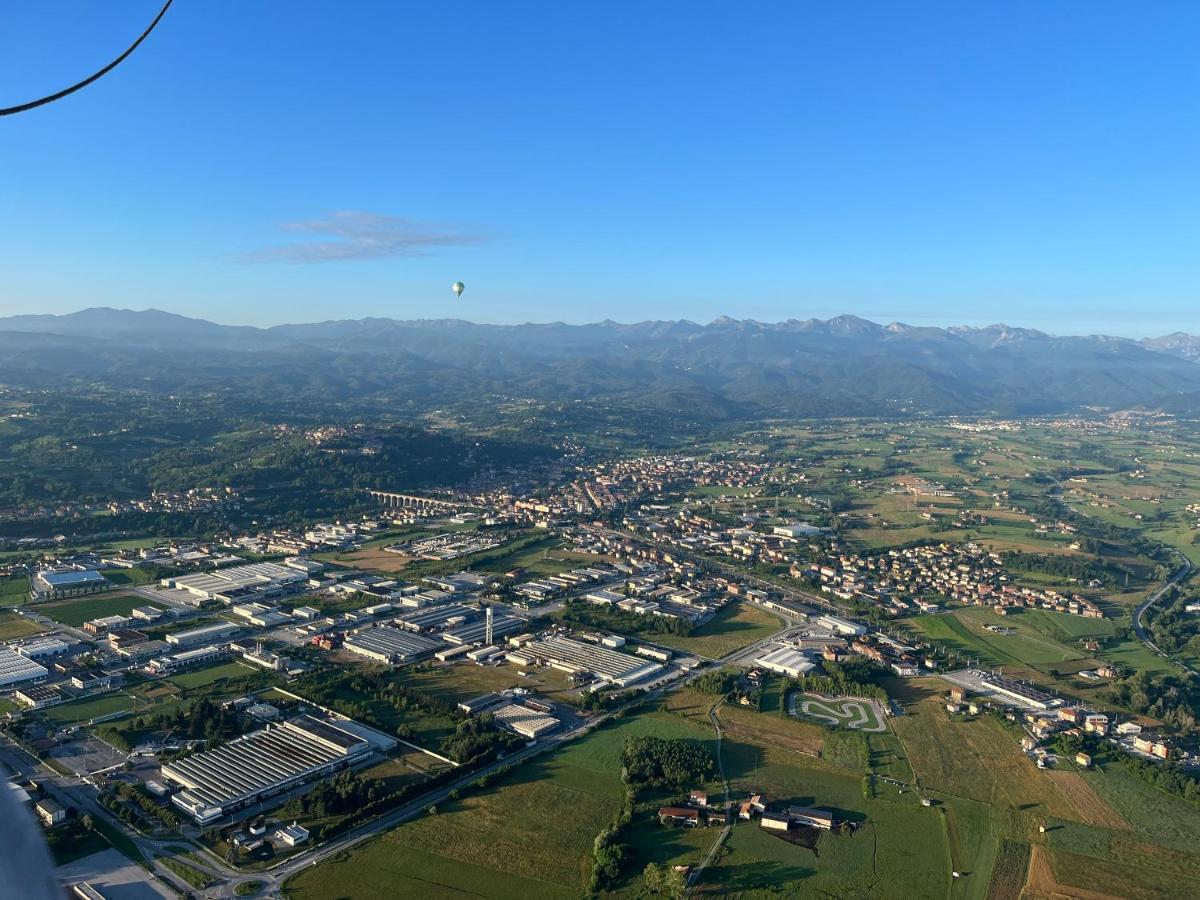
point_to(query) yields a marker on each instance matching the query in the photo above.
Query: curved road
(1182, 574)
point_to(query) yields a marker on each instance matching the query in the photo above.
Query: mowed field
(14, 626)
(736, 625)
(464, 680)
(899, 849)
(1143, 847)
(84, 609)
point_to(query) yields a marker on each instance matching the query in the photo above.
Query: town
(441, 640)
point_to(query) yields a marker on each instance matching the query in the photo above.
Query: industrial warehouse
(390, 645)
(478, 631)
(237, 583)
(576, 658)
(786, 661)
(16, 669)
(261, 764)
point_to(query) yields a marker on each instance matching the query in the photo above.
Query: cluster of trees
(1173, 628)
(1165, 777)
(203, 720)
(664, 881)
(658, 762)
(343, 793)
(589, 615)
(1167, 697)
(854, 677)
(718, 681)
(361, 694)
(1068, 567)
(477, 739)
(64, 839)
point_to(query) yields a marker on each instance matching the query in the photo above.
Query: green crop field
(736, 625)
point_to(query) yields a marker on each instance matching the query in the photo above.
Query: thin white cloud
(349, 235)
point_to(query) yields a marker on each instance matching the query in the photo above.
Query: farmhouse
(682, 815)
(775, 821)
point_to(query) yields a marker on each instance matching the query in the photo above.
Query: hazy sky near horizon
(929, 162)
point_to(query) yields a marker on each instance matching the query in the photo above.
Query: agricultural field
(84, 609)
(1133, 840)
(735, 625)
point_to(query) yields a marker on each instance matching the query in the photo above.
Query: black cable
(33, 104)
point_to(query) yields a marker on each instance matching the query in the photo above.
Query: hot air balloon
(458, 287)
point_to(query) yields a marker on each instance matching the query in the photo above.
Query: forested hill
(726, 369)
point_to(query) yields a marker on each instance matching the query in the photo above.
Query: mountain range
(729, 368)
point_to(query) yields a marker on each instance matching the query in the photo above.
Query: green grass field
(76, 612)
(16, 626)
(227, 671)
(529, 835)
(736, 625)
(93, 708)
(14, 591)
(463, 680)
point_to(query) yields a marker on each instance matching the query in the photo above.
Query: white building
(16, 669)
(786, 661)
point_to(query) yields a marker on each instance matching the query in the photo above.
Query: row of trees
(135, 807)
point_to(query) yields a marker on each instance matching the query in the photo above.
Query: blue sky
(268, 161)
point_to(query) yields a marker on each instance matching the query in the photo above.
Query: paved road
(1181, 574)
(694, 879)
(81, 794)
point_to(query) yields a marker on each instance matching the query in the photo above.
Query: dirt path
(715, 848)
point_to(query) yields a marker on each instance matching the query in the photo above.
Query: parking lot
(86, 756)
